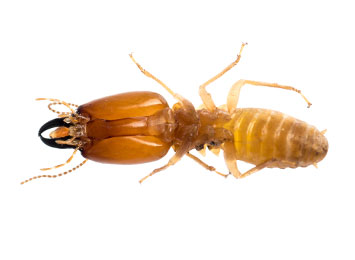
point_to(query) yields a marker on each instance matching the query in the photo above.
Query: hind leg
(233, 96)
(231, 162)
(257, 168)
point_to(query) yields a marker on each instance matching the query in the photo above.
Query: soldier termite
(140, 127)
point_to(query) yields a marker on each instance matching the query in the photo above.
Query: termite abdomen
(261, 135)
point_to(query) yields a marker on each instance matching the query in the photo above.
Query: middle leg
(204, 165)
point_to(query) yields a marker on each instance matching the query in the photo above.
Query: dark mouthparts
(52, 141)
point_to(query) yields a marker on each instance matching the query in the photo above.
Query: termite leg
(149, 75)
(177, 156)
(171, 162)
(257, 168)
(204, 165)
(205, 96)
(233, 95)
(187, 104)
(230, 159)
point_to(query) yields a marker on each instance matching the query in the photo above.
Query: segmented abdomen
(261, 135)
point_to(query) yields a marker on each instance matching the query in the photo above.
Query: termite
(140, 127)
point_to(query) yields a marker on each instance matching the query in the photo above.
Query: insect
(140, 127)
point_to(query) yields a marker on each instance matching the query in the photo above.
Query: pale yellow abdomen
(261, 135)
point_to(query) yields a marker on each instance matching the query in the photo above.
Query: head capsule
(126, 128)
(67, 134)
(70, 127)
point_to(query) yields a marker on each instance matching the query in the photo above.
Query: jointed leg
(187, 104)
(205, 96)
(230, 159)
(233, 96)
(257, 168)
(155, 171)
(149, 75)
(177, 156)
(204, 165)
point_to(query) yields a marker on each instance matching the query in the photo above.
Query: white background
(78, 51)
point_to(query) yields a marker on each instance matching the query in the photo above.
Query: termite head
(70, 127)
